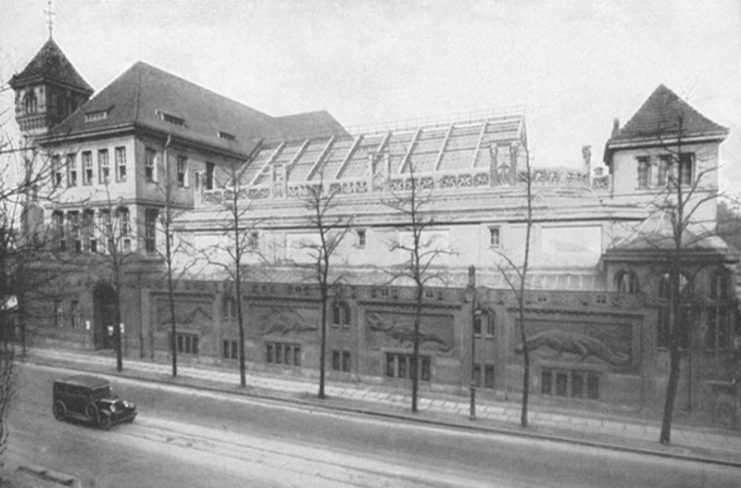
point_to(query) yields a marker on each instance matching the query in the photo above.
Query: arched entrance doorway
(104, 316)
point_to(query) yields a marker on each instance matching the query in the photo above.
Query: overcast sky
(574, 65)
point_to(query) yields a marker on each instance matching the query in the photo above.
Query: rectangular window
(230, 349)
(60, 243)
(476, 379)
(229, 308)
(89, 243)
(57, 171)
(124, 229)
(182, 171)
(87, 168)
(104, 169)
(150, 170)
(663, 169)
(282, 353)
(150, 230)
(644, 172)
(346, 361)
(489, 376)
(574, 384)
(75, 313)
(71, 163)
(106, 226)
(58, 313)
(494, 237)
(187, 344)
(401, 366)
(209, 183)
(336, 360)
(73, 219)
(718, 329)
(120, 164)
(686, 162)
(361, 238)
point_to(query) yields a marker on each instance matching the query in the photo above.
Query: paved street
(200, 437)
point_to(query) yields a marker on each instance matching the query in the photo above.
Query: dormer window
(97, 115)
(227, 136)
(171, 119)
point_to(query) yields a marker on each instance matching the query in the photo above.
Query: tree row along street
(185, 437)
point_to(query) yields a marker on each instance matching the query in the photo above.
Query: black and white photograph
(370, 243)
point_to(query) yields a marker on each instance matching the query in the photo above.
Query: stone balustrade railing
(541, 177)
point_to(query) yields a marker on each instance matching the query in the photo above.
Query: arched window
(626, 282)
(30, 105)
(340, 314)
(685, 286)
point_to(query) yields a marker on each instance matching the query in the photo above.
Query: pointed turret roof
(659, 116)
(50, 64)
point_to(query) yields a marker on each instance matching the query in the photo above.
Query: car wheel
(91, 410)
(104, 422)
(60, 411)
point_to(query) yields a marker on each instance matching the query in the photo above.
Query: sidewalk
(586, 428)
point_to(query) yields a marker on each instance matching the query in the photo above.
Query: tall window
(626, 282)
(58, 313)
(150, 229)
(150, 171)
(87, 168)
(361, 237)
(340, 314)
(88, 232)
(187, 343)
(104, 169)
(644, 172)
(182, 171)
(71, 163)
(230, 349)
(124, 229)
(663, 170)
(686, 163)
(106, 224)
(229, 310)
(484, 321)
(341, 360)
(120, 164)
(718, 330)
(664, 326)
(74, 228)
(75, 314)
(494, 237)
(209, 183)
(30, 105)
(58, 222)
(57, 171)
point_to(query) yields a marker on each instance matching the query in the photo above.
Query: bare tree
(412, 203)
(331, 229)
(515, 275)
(173, 248)
(240, 239)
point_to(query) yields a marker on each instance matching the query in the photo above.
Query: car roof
(85, 380)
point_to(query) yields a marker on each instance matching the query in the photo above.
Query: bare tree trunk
(323, 345)
(415, 346)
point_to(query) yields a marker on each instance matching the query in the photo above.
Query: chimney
(615, 126)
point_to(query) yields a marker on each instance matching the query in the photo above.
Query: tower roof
(148, 97)
(51, 64)
(659, 116)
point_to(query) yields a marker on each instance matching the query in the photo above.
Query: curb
(471, 427)
(49, 475)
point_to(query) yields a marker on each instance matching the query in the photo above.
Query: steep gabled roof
(659, 116)
(148, 97)
(51, 64)
(314, 124)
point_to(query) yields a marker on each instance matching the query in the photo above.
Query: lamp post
(472, 289)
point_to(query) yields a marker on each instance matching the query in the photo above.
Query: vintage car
(90, 399)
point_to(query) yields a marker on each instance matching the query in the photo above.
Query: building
(151, 143)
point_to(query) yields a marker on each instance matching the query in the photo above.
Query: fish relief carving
(579, 344)
(404, 333)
